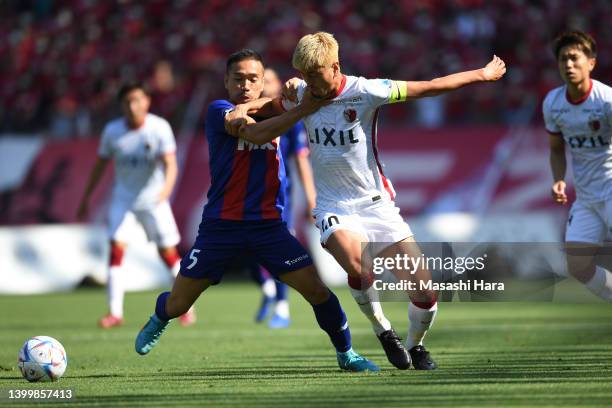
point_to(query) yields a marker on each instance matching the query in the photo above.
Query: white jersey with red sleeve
(137, 155)
(586, 128)
(342, 141)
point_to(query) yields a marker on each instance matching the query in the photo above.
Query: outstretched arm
(409, 90)
(94, 178)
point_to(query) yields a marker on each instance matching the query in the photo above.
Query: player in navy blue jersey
(242, 217)
(355, 200)
(293, 146)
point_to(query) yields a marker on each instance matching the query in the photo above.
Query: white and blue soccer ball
(42, 358)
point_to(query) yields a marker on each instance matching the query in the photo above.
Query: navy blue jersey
(248, 181)
(293, 143)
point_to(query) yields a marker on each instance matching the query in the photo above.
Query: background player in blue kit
(294, 146)
(242, 217)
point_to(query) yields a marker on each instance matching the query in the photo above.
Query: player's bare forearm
(438, 86)
(269, 109)
(269, 129)
(170, 174)
(558, 166)
(262, 108)
(94, 178)
(304, 170)
(242, 110)
(558, 161)
(493, 71)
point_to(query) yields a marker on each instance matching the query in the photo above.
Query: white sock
(601, 283)
(282, 309)
(175, 269)
(269, 288)
(368, 303)
(115, 291)
(420, 321)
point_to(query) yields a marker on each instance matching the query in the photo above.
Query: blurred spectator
(69, 119)
(430, 112)
(63, 60)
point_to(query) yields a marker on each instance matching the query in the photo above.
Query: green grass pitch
(490, 354)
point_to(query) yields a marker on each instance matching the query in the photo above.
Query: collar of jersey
(342, 84)
(582, 98)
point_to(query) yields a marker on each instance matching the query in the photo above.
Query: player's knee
(353, 267)
(582, 273)
(312, 288)
(320, 294)
(425, 299)
(317, 295)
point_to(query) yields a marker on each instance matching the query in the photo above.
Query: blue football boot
(351, 361)
(150, 334)
(279, 322)
(264, 308)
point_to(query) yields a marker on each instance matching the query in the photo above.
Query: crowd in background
(63, 61)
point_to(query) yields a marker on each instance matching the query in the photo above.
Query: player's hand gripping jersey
(342, 141)
(139, 171)
(586, 127)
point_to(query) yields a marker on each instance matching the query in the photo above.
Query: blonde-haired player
(355, 201)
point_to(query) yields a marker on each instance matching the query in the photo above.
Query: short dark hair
(130, 86)
(244, 54)
(581, 40)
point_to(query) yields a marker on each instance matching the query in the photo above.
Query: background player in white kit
(578, 115)
(354, 198)
(143, 149)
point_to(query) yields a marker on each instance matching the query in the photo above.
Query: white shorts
(378, 221)
(589, 222)
(158, 223)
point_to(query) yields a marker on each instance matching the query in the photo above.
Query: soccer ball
(42, 358)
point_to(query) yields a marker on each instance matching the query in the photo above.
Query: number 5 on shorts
(193, 258)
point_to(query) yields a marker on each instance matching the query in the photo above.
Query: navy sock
(160, 306)
(256, 272)
(281, 290)
(332, 320)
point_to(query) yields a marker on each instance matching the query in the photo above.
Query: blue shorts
(223, 243)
